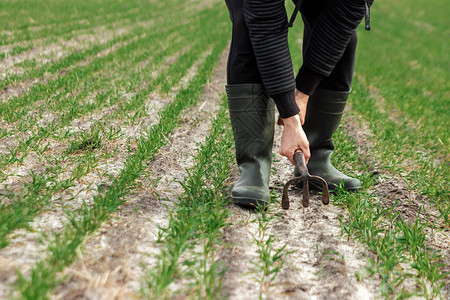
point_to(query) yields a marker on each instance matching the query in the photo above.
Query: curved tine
(325, 192)
(285, 197)
(325, 195)
(305, 200)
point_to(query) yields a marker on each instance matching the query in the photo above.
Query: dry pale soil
(321, 263)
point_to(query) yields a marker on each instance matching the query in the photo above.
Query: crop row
(64, 18)
(400, 249)
(65, 105)
(398, 105)
(62, 246)
(46, 186)
(403, 96)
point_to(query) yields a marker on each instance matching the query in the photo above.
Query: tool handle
(299, 158)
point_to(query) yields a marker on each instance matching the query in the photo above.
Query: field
(117, 160)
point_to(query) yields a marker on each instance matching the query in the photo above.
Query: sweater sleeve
(267, 24)
(329, 37)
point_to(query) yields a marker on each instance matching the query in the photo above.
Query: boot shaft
(252, 119)
(323, 115)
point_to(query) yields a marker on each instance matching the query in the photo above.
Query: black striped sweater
(268, 27)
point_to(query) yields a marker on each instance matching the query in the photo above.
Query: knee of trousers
(341, 77)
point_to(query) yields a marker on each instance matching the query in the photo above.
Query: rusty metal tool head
(305, 177)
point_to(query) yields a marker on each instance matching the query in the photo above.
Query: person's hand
(294, 138)
(302, 101)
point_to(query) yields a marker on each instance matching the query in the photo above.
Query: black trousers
(242, 64)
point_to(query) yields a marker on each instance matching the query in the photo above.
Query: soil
(310, 234)
(56, 51)
(86, 188)
(124, 247)
(390, 190)
(112, 262)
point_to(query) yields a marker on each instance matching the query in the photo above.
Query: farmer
(260, 68)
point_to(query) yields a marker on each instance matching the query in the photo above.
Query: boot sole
(251, 203)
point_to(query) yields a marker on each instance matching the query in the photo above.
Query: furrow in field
(388, 217)
(129, 242)
(8, 108)
(359, 130)
(79, 20)
(184, 82)
(25, 46)
(154, 103)
(66, 28)
(17, 90)
(394, 191)
(35, 118)
(78, 191)
(400, 118)
(88, 22)
(141, 88)
(56, 51)
(412, 151)
(413, 81)
(50, 113)
(17, 84)
(168, 61)
(13, 140)
(240, 251)
(321, 264)
(195, 4)
(22, 86)
(81, 193)
(154, 66)
(45, 273)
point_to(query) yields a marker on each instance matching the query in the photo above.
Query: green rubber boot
(252, 115)
(323, 115)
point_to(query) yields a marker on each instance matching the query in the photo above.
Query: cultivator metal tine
(305, 177)
(285, 197)
(305, 200)
(325, 191)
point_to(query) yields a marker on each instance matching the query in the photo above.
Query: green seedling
(87, 140)
(392, 241)
(199, 218)
(62, 246)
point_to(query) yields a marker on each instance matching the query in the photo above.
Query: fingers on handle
(292, 157)
(289, 155)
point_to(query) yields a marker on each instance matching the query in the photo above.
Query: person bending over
(260, 69)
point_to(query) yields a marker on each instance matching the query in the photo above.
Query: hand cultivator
(305, 177)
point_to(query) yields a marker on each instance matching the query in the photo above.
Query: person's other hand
(302, 101)
(294, 138)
